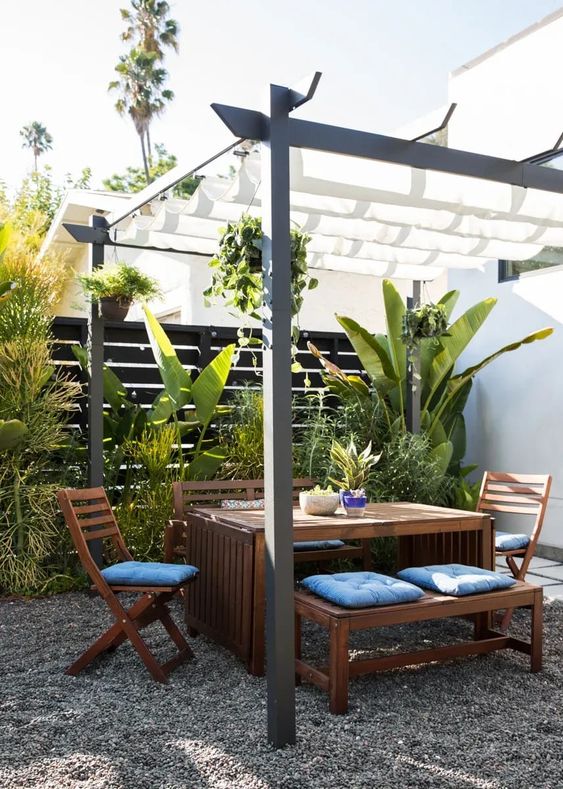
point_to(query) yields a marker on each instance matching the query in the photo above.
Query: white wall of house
(508, 106)
(183, 279)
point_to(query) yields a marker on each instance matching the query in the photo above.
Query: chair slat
(500, 497)
(528, 479)
(84, 523)
(88, 508)
(99, 534)
(507, 508)
(86, 494)
(505, 487)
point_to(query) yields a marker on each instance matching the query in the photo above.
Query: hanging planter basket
(113, 309)
(429, 321)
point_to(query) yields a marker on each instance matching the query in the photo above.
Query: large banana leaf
(456, 384)
(207, 463)
(210, 383)
(394, 313)
(454, 343)
(372, 353)
(114, 391)
(176, 379)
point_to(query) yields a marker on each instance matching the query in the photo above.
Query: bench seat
(341, 621)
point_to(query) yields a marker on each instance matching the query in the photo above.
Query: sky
(384, 63)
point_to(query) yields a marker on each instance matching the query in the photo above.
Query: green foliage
(38, 200)
(408, 471)
(242, 435)
(134, 178)
(146, 505)
(237, 270)
(355, 467)
(30, 531)
(121, 281)
(12, 433)
(444, 392)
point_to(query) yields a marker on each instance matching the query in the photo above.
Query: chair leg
(339, 667)
(149, 608)
(297, 644)
(367, 559)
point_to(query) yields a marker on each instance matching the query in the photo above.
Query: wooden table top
(389, 518)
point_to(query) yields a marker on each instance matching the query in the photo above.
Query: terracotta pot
(114, 309)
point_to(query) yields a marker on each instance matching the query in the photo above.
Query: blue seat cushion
(361, 589)
(456, 579)
(505, 541)
(317, 545)
(149, 573)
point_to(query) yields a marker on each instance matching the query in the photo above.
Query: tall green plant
(444, 391)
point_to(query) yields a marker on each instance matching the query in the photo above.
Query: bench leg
(297, 644)
(338, 670)
(537, 632)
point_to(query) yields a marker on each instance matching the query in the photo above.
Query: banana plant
(444, 391)
(125, 420)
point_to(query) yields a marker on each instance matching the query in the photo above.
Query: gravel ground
(478, 722)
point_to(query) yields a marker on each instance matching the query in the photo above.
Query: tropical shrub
(241, 434)
(444, 391)
(30, 531)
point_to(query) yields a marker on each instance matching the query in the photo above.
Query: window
(514, 269)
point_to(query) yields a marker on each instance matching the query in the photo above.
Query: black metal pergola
(277, 132)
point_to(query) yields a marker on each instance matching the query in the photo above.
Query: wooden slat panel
(515, 488)
(87, 508)
(508, 508)
(98, 534)
(500, 497)
(85, 523)
(500, 476)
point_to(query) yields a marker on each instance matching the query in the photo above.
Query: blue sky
(384, 62)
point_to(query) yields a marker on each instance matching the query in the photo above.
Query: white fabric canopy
(367, 217)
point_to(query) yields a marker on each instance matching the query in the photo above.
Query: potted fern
(116, 287)
(355, 468)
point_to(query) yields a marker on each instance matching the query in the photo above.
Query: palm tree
(37, 139)
(142, 94)
(149, 26)
(141, 79)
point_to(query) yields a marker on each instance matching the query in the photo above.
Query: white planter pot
(313, 504)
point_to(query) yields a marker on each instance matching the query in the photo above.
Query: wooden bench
(340, 622)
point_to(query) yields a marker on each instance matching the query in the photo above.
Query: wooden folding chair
(89, 516)
(212, 493)
(517, 494)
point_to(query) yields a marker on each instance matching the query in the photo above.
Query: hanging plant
(237, 273)
(424, 322)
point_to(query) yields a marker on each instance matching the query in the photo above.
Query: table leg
(339, 666)
(257, 646)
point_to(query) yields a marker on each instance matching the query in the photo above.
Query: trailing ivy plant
(424, 322)
(237, 273)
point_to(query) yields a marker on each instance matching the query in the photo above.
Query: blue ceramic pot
(354, 505)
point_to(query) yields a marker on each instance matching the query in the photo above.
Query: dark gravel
(479, 722)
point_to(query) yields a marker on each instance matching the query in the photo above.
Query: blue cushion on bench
(149, 573)
(317, 545)
(505, 541)
(361, 589)
(456, 579)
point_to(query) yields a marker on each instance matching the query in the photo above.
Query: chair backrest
(211, 493)
(518, 494)
(89, 516)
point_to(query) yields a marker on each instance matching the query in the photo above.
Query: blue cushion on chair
(148, 573)
(317, 545)
(456, 579)
(361, 589)
(505, 541)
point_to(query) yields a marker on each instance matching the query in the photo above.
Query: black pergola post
(276, 326)
(414, 393)
(96, 383)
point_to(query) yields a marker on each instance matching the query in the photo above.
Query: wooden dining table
(227, 601)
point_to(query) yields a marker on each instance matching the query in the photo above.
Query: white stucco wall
(507, 107)
(185, 277)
